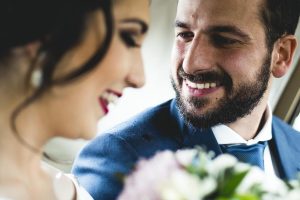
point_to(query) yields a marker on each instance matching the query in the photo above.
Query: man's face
(221, 65)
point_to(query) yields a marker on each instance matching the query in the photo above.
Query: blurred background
(156, 54)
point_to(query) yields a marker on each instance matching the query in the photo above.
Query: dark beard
(236, 104)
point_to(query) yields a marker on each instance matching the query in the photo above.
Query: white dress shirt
(226, 135)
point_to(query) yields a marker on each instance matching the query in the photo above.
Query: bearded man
(225, 56)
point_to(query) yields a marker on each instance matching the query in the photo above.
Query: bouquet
(195, 175)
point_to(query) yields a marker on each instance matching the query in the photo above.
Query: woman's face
(74, 109)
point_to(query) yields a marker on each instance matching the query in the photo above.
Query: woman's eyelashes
(129, 38)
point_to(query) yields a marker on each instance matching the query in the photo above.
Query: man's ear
(282, 55)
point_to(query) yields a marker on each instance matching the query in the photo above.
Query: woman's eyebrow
(143, 24)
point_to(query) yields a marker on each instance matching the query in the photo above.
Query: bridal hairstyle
(58, 25)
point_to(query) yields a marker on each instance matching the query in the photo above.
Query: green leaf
(246, 197)
(240, 197)
(231, 182)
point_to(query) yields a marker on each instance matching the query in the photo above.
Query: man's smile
(199, 89)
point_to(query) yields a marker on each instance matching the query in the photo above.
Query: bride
(61, 64)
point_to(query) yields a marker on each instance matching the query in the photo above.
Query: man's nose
(199, 56)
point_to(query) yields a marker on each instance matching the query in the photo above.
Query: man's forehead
(236, 10)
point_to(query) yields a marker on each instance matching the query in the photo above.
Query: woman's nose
(136, 76)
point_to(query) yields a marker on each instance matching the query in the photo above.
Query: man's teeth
(200, 85)
(110, 97)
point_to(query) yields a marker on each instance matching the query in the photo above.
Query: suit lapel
(204, 138)
(191, 137)
(284, 150)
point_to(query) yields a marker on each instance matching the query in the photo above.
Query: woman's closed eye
(130, 38)
(132, 32)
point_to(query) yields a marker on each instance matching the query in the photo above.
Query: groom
(225, 55)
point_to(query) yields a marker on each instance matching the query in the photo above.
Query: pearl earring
(36, 78)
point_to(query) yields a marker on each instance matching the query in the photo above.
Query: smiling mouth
(200, 89)
(107, 98)
(200, 86)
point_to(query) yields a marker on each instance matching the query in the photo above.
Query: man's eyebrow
(228, 29)
(180, 24)
(144, 25)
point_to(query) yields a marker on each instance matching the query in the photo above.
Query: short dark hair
(280, 17)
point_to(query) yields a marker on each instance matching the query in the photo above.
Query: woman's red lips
(109, 96)
(104, 105)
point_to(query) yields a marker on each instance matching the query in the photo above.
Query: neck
(249, 126)
(20, 167)
(21, 174)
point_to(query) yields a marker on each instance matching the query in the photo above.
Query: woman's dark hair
(280, 17)
(59, 26)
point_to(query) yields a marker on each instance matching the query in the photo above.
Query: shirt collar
(226, 135)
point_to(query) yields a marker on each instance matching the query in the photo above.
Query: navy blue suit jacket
(103, 160)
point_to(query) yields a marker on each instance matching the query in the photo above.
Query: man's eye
(221, 41)
(185, 35)
(129, 39)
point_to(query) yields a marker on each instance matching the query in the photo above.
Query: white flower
(193, 175)
(270, 184)
(143, 182)
(220, 163)
(185, 157)
(183, 185)
(270, 196)
(295, 183)
(241, 167)
(293, 194)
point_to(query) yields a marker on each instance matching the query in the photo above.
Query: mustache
(212, 76)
